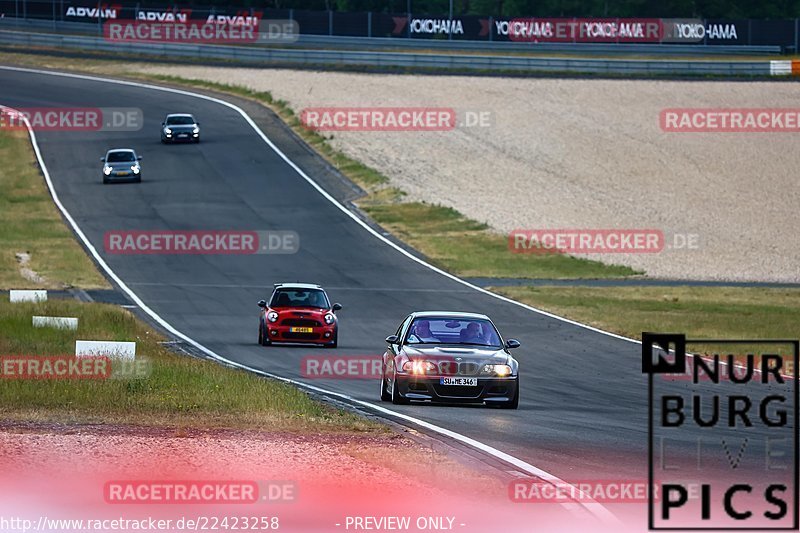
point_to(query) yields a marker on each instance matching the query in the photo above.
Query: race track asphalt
(583, 410)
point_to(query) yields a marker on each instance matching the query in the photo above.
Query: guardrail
(337, 58)
(569, 48)
(383, 43)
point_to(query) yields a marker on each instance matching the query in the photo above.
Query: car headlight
(272, 316)
(135, 169)
(329, 318)
(168, 131)
(498, 370)
(196, 130)
(419, 367)
(107, 170)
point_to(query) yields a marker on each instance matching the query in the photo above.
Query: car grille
(301, 322)
(448, 368)
(300, 336)
(455, 391)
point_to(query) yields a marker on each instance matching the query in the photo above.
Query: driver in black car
(422, 331)
(472, 333)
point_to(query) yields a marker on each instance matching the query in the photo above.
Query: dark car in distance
(450, 357)
(180, 127)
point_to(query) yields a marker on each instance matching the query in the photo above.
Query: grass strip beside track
(700, 312)
(179, 391)
(31, 224)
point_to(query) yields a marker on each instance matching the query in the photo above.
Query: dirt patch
(24, 260)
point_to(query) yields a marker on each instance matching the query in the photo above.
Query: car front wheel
(263, 339)
(397, 399)
(385, 396)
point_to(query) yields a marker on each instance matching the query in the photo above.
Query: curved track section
(583, 405)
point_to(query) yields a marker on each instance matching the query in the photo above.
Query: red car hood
(301, 311)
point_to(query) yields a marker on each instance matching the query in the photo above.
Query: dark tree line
(578, 8)
(731, 9)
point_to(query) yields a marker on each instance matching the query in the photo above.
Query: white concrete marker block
(60, 322)
(27, 296)
(780, 67)
(112, 349)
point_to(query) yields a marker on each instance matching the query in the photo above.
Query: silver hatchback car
(121, 164)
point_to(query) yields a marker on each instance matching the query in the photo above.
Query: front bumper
(180, 136)
(119, 175)
(429, 388)
(318, 335)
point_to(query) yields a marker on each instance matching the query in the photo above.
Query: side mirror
(163, 123)
(262, 303)
(138, 158)
(512, 343)
(337, 307)
(103, 159)
(392, 339)
(196, 123)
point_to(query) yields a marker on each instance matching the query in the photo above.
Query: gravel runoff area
(580, 153)
(68, 466)
(226, 454)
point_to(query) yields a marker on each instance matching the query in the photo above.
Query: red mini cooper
(298, 312)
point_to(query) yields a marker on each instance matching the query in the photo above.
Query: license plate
(122, 173)
(459, 382)
(301, 330)
(183, 135)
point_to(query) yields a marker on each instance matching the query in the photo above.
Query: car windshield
(180, 121)
(299, 298)
(468, 331)
(120, 157)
